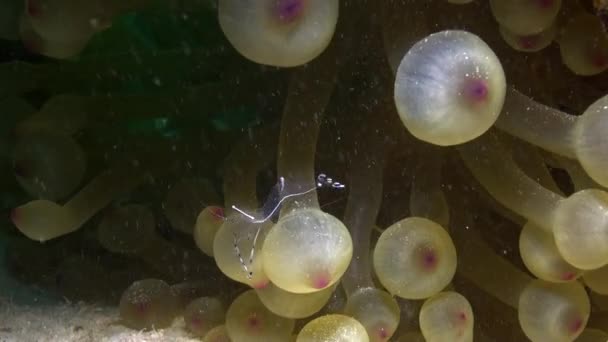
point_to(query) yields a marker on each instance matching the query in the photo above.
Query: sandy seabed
(77, 323)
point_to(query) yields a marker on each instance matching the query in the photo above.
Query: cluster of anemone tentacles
(437, 171)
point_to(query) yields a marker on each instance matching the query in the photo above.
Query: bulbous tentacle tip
(447, 316)
(283, 33)
(590, 140)
(562, 316)
(580, 229)
(449, 88)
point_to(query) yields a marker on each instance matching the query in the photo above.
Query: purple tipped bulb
(430, 260)
(476, 90)
(289, 10)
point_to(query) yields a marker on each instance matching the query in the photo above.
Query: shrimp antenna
(322, 181)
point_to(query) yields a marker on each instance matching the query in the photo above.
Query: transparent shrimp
(269, 212)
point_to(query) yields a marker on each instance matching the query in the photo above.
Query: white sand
(78, 323)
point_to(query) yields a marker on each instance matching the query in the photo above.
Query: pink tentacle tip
(218, 213)
(528, 42)
(428, 259)
(476, 90)
(289, 10)
(576, 325)
(383, 334)
(321, 281)
(567, 276)
(261, 285)
(253, 321)
(142, 307)
(196, 321)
